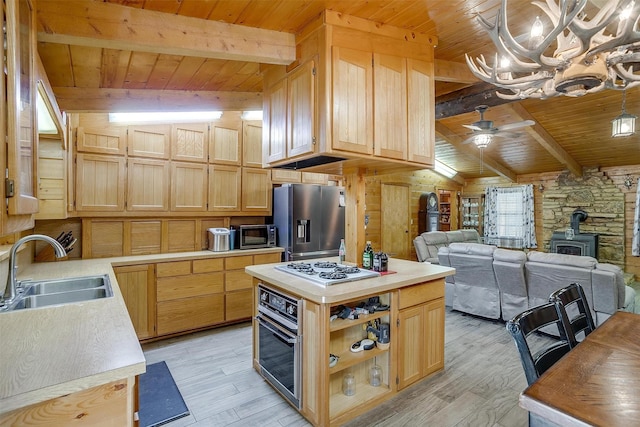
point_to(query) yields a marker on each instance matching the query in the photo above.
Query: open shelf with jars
(472, 212)
(343, 333)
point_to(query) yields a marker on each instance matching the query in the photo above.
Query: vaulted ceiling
(194, 54)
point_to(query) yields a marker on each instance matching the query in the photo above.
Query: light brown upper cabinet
(275, 116)
(252, 144)
(421, 111)
(188, 187)
(148, 185)
(352, 100)
(111, 140)
(22, 146)
(301, 110)
(189, 142)
(256, 190)
(224, 145)
(225, 188)
(368, 99)
(149, 141)
(390, 101)
(100, 182)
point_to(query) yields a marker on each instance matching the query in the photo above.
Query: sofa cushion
(472, 249)
(421, 248)
(562, 259)
(470, 235)
(506, 255)
(454, 236)
(434, 240)
(618, 278)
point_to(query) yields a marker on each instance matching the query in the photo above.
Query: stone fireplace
(602, 225)
(572, 242)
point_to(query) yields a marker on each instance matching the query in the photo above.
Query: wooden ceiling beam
(114, 100)
(453, 72)
(454, 139)
(108, 25)
(543, 137)
(467, 99)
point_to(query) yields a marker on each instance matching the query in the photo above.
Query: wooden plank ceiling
(196, 54)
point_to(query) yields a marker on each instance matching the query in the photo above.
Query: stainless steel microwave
(257, 236)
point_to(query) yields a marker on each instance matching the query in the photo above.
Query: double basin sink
(42, 293)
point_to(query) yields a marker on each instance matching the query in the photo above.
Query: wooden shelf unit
(444, 198)
(472, 212)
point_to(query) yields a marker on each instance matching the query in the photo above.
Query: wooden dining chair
(573, 301)
(537, 353)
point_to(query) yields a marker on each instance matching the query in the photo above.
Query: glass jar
(349, 385)
(375, 376)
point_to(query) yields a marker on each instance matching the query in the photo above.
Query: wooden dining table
(597, 383)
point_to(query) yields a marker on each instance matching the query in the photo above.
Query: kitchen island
(414, 294)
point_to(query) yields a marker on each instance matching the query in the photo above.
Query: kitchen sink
(43, 293)
(33, 301)
(63, 285)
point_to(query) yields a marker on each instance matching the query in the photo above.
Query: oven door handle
(276, 332)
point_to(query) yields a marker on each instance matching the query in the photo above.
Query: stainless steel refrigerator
(309, 220)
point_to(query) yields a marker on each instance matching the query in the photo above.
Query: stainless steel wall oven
(280, 342)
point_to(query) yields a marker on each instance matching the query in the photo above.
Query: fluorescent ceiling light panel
(445, 170)
(252, 115)
(165, 116)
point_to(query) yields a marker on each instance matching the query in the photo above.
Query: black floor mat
(160, 399)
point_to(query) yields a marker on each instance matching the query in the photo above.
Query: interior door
(395, 222)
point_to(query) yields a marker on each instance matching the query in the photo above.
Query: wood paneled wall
(420, 181)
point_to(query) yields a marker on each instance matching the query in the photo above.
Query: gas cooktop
(326, 273)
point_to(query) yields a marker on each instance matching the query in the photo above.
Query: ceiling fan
(484, 131)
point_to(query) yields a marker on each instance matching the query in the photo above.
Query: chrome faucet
(10, 291)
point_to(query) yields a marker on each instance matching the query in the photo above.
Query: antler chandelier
(579, 55)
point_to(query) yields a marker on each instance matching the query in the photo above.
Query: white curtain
(509, 217)
(635, 244)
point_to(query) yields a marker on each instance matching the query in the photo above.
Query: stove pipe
(577, 217)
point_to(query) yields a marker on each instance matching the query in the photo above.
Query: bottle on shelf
(367, 256)
(342, 251)
(376, 261)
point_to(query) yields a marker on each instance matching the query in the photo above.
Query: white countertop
(52, 351)
(401, 273)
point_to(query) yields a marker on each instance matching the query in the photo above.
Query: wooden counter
(415, 295)
(55, 351)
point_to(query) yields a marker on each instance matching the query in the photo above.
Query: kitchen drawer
(418, 294)
(190, 313)
(208, 265)
(177, 268)
(236, 262)
(266, 258)
(237, 279)
(239, 305)
(180, 287)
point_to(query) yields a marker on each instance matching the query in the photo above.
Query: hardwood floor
(479, 387)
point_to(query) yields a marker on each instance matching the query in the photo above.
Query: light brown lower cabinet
(179, 296)
(420, 333)
(138, 287)
(190, 313)
(110, 404)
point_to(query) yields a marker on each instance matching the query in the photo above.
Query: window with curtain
(509, 217)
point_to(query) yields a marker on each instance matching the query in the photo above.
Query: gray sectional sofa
(428, 243)
(499, 283)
